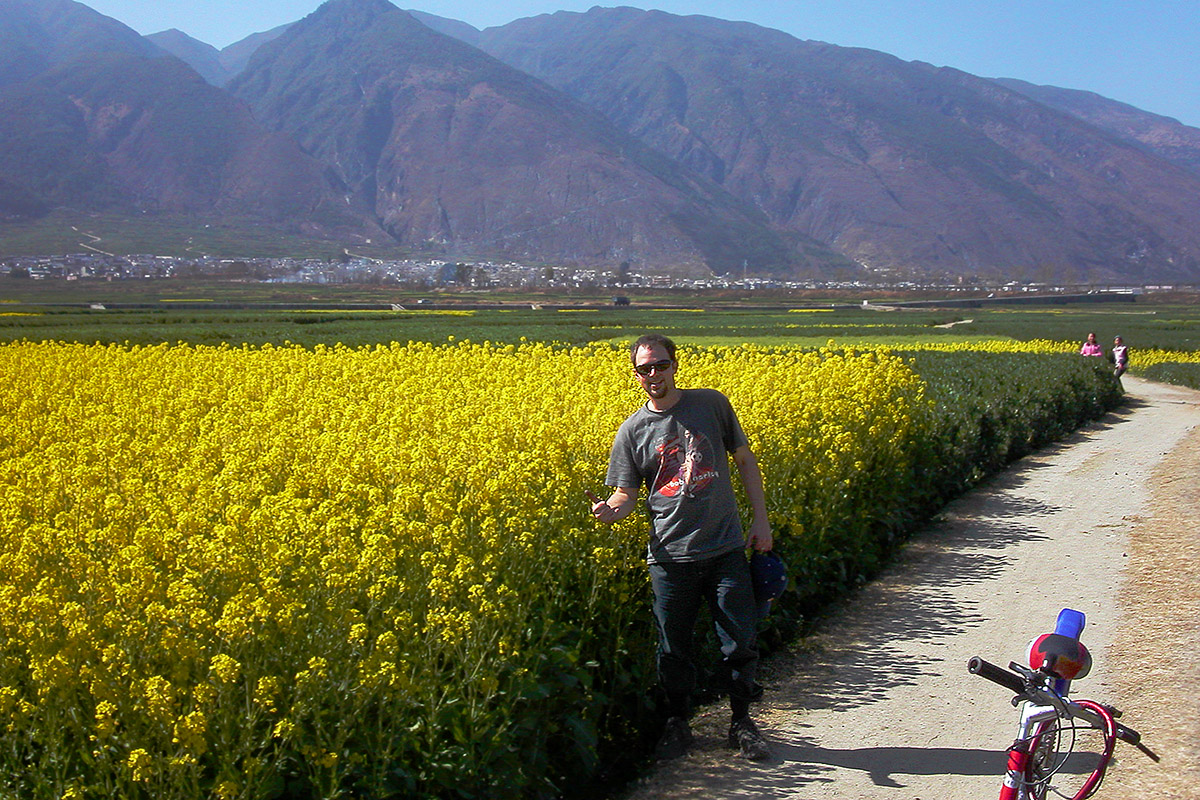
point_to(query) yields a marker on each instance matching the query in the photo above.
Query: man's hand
(760, 537)
(605, 511)
(600, 509)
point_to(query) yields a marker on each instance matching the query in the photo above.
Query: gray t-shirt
(680, 456)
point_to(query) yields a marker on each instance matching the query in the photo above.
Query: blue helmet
(769, 575)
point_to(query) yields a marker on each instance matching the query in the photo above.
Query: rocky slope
(1163, 136)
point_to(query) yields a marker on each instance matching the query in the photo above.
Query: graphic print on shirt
(686, 464)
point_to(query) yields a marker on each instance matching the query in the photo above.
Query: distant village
(435, 274)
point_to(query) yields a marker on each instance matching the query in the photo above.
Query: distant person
(1091, 347)
(677, 445)
(1120, 357)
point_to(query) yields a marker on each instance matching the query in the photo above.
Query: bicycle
(1050, 728)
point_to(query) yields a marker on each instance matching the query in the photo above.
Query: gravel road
(878, 703)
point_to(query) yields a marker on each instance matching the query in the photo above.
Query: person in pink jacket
(1091, 347)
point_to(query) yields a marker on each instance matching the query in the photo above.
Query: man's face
(660, 378)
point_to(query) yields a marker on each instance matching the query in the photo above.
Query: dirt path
(879, 703)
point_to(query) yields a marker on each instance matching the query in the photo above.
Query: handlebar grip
(984, 669)
(1126, 734)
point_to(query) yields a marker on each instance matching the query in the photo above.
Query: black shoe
(675, 741)
(744, 735)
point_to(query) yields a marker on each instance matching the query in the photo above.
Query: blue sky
(1142, 52)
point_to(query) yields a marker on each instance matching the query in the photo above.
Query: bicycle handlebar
(1026, 689)
(985, 669)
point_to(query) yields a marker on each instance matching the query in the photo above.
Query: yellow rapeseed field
(226, 570)
(1139, 358)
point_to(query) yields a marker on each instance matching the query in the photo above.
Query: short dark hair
(652, 340)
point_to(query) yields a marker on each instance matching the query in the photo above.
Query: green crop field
(212, 312)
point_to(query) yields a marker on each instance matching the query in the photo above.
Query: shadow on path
(923, 604)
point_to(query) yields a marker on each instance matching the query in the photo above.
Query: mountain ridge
(676, 143)
(1164, 136)
(202, 57)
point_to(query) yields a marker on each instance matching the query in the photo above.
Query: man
(676, 446)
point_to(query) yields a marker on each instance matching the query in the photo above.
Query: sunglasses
(648, 369)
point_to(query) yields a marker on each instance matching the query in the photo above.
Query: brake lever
(1037, 686)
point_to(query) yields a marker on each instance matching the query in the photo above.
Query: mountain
(462, 154)
(36, 35)
(17, 202)
(122, 126)
(1163, 136)
(218, 67)
(120, 130)
(900, 166)
(688, 145)
(204, 58)
(236, 56)
(451, 27)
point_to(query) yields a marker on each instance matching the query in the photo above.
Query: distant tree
(462, 274)
(548, 274)
(19, 272)
(623, 273)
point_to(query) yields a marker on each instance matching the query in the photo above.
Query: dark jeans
(679, 589)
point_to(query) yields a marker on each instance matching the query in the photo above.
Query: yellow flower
(266, 692)
(190, 733)
(328, 530)
(106, 724)
(225, 668)
(159, 696)
(140, 764)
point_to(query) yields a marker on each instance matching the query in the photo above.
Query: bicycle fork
(1015, 786)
